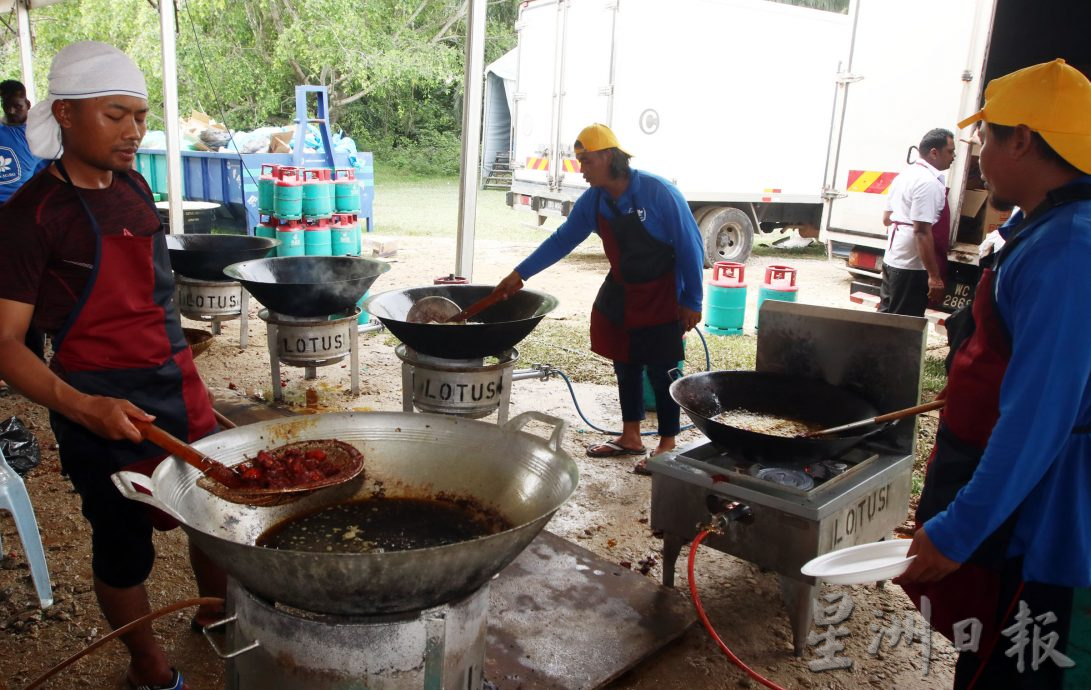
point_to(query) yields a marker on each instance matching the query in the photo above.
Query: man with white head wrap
(86, 261)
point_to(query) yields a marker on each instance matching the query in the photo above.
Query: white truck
(732, 100)
(918, 65)
(768, 115)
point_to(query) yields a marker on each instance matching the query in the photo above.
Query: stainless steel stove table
(783, 517)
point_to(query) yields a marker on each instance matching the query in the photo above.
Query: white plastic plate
(860, 564)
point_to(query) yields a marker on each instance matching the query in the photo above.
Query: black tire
(728, 235)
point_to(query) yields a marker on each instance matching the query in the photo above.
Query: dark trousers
(997, 669)
(903, 291)
(630, 392)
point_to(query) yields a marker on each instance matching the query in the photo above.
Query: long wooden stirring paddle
(881, 419)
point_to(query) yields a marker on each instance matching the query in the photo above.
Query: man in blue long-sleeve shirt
(1006, 506)
(653, 292)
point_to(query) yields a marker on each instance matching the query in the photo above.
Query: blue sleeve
(689, 251)
(582, 220)
(1041, 296)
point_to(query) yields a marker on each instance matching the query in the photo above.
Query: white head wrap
(87, 69)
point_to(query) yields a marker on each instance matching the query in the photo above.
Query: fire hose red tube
(708, 625)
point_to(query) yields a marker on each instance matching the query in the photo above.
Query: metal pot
(522, 476)
(498, 328)
(204, 257)
(707, 394)
(308, 285)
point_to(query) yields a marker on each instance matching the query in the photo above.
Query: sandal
(613, 450)
(176, 683)
(641, 468)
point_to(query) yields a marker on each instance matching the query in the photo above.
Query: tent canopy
(499, 104)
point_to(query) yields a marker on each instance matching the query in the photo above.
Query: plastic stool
(15, 499)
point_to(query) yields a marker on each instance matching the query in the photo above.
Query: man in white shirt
(912, 272)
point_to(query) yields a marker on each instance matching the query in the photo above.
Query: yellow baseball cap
(1053, 99)
(598, 137)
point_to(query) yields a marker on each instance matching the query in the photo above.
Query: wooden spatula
(881, 419)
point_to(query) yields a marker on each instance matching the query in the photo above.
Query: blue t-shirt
(17, 163)
(665, 215)
(1034, 463)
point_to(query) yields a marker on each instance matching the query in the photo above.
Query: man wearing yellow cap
(1005, 515)
(651, 295)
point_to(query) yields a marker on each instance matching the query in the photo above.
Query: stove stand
(856, 498)
(471, 388)
(214, 301)
(311, 343)
(774, 526)
(270, 646)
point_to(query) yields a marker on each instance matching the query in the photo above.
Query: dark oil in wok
(381, 524)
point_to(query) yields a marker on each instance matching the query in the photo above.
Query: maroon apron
(941, 235)
(635, 315)
(966, 423)
(124, 340)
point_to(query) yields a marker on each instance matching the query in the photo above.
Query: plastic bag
(19, 446)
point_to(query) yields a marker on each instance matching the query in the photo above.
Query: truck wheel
(728, 235)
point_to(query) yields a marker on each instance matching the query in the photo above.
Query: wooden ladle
(436, 309)
(217, 477)
(881, 419)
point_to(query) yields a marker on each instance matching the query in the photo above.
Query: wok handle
(559, 426)
(881, 419)
(176, 447)
(127, 483)
(478, 307)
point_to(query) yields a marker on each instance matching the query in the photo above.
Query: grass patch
(933, 376)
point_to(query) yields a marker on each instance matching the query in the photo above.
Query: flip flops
(613, 450)
(176, 683)
(641, 468)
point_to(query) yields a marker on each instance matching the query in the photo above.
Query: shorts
(122, 553)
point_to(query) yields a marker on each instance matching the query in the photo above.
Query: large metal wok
(524, 477)
(707, 394)
(204, 257)
(494, 330)
(308, 285)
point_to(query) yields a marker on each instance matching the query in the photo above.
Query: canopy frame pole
(170, 114)
(26, 57)
(471, 139)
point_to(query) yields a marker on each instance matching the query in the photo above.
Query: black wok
(707, 394)
(204, 257)
(308, 285)
(494, 330)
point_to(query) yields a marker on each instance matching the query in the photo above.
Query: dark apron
(635, 315)
(966, 423)
(124, 340)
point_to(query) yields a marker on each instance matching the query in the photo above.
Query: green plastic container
(346, 192)
(288, 195)
(779, 285)
(365, 318)
(344, 241)
(267, 188)
(317, 241)
(317, 194)
(649, 394)
(291, 241)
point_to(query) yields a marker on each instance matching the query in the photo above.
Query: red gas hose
(708, 625)
(170, 608)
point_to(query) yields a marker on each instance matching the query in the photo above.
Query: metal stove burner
(272, 647)
(795, 479)
(311, 343)
(214, 301)
(470, 388)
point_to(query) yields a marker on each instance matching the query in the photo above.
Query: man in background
(912, 272)
(17, 163)
(1004, 515)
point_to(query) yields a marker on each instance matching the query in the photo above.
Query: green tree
(394, 68)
